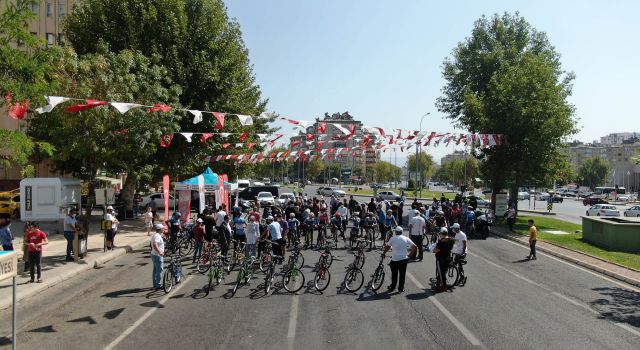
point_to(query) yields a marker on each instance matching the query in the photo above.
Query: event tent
(208, 178)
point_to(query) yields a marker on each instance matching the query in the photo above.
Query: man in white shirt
(460, 249)
(220, 215)
(399, 244)
(157, 253)
(111, 233)
(275, 232)
(417, 227)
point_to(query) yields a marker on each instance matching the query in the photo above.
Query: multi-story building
(333, 137)
(47, 25)
(617, 138)
(452, 156)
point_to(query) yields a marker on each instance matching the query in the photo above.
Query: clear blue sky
(381, 60)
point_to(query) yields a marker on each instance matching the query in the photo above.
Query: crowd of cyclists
(312, 223)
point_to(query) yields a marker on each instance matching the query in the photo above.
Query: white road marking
(293, 321)
(627, 286)
(555, 293)
(144, 317)
(466, 332)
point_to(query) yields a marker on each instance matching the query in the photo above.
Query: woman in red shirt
(35, 239)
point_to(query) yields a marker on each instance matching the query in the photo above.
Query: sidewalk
(619, 272)
(131, 235)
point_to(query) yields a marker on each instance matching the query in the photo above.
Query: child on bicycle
(294, 226)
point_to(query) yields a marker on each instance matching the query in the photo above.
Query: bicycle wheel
(329, 260)
(300, 260)
(378, 279)
(203, 264)
(184, 247)
(293, 280)
(322, 279)
(359, 263)
(238, 282)
(264, 262)
(218, 274)
(452, 276)
(232, 263)
(167, 280)
(353, 280)
(208, 288)
(268, 280)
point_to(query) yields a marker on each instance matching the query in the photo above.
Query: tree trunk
(91, 200)
(126, 195)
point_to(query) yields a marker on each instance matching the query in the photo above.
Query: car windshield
(264, 194)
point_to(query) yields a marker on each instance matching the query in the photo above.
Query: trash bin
(80, 244)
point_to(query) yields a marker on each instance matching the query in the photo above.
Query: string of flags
(372, 137)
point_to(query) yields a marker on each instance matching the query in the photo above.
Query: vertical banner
(201, 194)
(184, 204)
(220, 193)
(166, 183)
(225, 199)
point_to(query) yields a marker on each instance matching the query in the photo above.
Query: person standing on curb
(157, 254)
(111, 233)
(148, 220)
(416, 229)
(6, 238)
(35, 240)
(533, 237)
(511, 217)
(69, 232)
(399, 244)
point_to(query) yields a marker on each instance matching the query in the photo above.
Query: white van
(242, 184)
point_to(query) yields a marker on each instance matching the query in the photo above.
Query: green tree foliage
(426, 165)
(506, 78)
(204, 53)
(102, 138)
(314, 168)
(453, 171)
(386, 172)
(272, 170)
(593, 172)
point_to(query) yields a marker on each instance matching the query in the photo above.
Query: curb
(536, 212)
(77, 269)
(591, 267)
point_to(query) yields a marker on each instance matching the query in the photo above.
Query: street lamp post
(419, 146)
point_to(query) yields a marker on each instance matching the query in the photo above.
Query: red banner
(166, 183)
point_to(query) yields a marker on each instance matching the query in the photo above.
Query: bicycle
(353, 279)
(237, 257)
(334, 234)
(371, 237)
(452, 275)
(216, 271)
(354, 235)
(292, 278)
(296, 258)
(245, 273)
(270, 272)
(377, 279)
(173, 273)
(266, 257)
(461, 280)
(323, 275)
(206, 258)
(360, 257)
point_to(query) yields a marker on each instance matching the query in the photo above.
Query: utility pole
(418, 174)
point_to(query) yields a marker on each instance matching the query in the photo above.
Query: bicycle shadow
(620, 306)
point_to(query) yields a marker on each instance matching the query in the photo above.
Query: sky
(381, 60)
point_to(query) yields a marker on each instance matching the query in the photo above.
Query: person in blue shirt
(239, 225)
(294, 230)
(470, 218)
(382, 217)
(6, 238)
(389, 223)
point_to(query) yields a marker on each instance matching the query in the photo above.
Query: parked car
(265, 199)
(557, 198)
(585, 194)
(250, 193)
(331, 191)
(482, 203)
(159, 199)
(10, 204)
(385, 186)
(523, 196)
(603, 210)
(284, 198)
(633, 211)
(594, 200)
(542, 196)
(389, 196)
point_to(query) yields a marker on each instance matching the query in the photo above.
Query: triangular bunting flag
(245, 119)
(197, 116)
(220, 119)
(124, 107)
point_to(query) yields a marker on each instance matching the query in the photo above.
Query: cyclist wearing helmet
(174, 226)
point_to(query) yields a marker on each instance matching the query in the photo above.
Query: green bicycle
(216, 272)
(292, 278)
(245, 274)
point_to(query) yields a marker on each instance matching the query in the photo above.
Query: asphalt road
(507, 303)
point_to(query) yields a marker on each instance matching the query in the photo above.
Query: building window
(61, 39)
(61, 10)
(51, 39)
(48, 10)
(35, 7)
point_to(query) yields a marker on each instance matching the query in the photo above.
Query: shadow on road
(621, 305)
(129, 293)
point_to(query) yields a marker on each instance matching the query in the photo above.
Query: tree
(453, 171)
(426, 165)
(314, 168)
(204, 53)
(386, 172)
(593, 172)
(506, 78)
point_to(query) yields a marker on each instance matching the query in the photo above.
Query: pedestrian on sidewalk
(400, 245)
(154, 207)
(35, 239)
(111, 233)
(6, 238)
(533, 237)
(70, 224)
(416, 230)
(198, 236)
(157, 254)
(511, 217)
(148, 220)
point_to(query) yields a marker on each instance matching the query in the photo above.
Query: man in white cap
(417, 227)
(157, 254)
(111, 233)
(460, 248)
(399, 244)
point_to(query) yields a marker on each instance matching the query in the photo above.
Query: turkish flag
(18, 110)
(220, 119)
(322, 128)
(158, 107)
(165, 140)
(206, 136)
(83, 107)
(243, 136)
